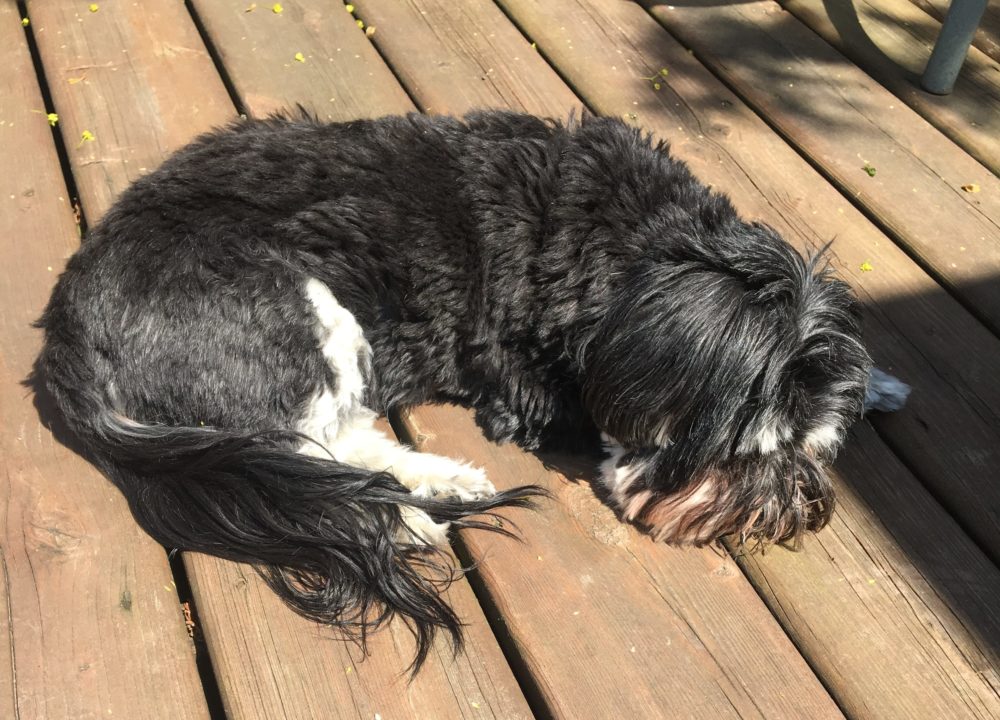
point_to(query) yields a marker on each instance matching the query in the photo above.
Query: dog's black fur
(556, 279)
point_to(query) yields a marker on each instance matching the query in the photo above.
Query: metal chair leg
(952, 45)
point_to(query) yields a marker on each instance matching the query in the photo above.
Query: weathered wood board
(891, 40)
(845, 122)
(89, 617)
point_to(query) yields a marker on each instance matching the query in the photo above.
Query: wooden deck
(893, 611)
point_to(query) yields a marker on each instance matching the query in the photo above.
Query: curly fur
(559, 280)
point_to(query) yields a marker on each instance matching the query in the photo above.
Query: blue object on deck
(952, 45)
(885, 392)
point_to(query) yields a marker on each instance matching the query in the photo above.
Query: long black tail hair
(328, 538)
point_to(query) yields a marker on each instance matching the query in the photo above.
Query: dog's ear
(774, 498)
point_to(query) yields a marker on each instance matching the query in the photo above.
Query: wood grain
(841, 119)
(608, 623)
(894, 607)
(89, 617)
(949, 432)
(892, 40)
(605, 51)
(273, 664)
(455, 57)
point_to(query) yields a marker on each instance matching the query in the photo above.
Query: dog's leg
(342, 427)
(424, 474)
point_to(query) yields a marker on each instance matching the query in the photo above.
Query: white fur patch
(823, 438)
(769, 438)
(618, 479)
(343, 344)
(342, 427)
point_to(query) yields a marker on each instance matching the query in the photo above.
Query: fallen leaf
(86, 136)
(300, 57)
(361, 24)
(971, 188)
(25, 22)
(93, 7)
(370, 30)
(870, 169)
(277, 9)
(866, 266)
(349, 8)
(53, 119)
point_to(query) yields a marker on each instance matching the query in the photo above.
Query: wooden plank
(892, 40)
(610, 624)
(605, 51)
(271, 663)
(454, 57)
(274, 664)
(913, 328)
(895, 608)
(839, 118)
(89, 618)
(340, 77)
(987, 37)
(708, 657)
(131, 72)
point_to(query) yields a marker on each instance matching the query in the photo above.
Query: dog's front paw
(464, 482)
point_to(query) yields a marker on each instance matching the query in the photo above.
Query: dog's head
(727, 372)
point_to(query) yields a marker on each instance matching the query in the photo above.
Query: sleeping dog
(225, 338)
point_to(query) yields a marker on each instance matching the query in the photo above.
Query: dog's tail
(330, 539)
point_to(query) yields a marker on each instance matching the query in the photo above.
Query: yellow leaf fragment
(277, 9)
(300, 57)
(971, 188)
(93, 7)
(25, 22)
(74, 81)
(53, 119)
(361, 24)
(370, 30)
(86, 136)
(349, 8)
(866, 266)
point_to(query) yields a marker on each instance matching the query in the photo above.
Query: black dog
(229, 331)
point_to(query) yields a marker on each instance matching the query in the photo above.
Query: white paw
(421, 529)
(464, 482)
